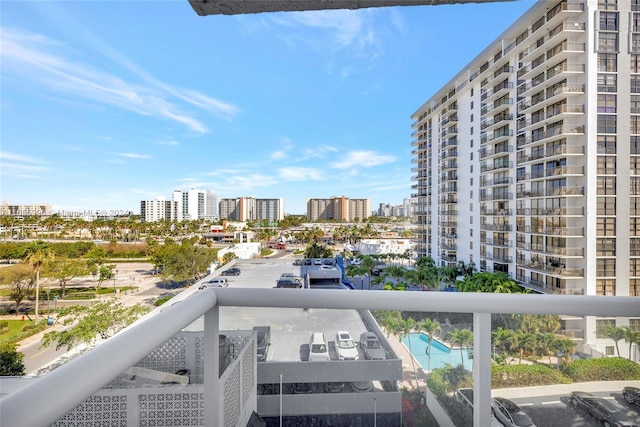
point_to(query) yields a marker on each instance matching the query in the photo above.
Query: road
(150, 289)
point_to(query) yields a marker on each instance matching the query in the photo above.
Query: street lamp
(115, 272)
(375, 412)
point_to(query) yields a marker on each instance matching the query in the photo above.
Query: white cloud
(133, 155)
(44, 61)
(173, 143)
(300, 174)
(21, 162)
(363, 158)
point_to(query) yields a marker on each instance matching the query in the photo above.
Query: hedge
(525, 375)
(604, 369)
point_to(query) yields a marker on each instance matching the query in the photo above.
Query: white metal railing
(61, 390)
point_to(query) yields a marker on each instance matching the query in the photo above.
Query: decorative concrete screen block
(97, 411)
(171, 409)
(170, 357)
(248, 372)
(231, 395)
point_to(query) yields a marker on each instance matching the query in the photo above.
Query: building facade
(157, 209)
(252, 209)
(527, 161)
(338, 208)
(195, 204)
(8, 209)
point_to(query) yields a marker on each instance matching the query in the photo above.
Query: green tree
(430, 326)
(228, 257)
(565, 348)
(498, 282)
(632, 337)
(106, 272)
(615, 333)
(462, 338)
(316, 250)
(66, 269)
(10, 360)
(19, 281)
(88, 323)
(407, 327)
(37, 255)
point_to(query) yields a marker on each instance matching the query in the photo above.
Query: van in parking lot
(318, 348)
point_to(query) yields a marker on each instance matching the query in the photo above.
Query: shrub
(506, 376)
(459, 413)
(604, 369)
(161, 301)
(4, 323)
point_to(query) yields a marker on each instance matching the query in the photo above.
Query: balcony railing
(80, 377)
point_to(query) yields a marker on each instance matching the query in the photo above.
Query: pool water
(440, 353)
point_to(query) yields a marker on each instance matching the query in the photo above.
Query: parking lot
(290, 328)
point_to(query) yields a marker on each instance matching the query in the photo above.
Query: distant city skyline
(104, 106)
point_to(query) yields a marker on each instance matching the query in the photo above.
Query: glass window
(607, 62)
(634, 324)
(607, 144)
(635, 84)
(606, 165)
(607, 103)
(606, 206)
(634, 125)
(605, 286)
(606, 247)
(607, 123)
(635, 104)
(607, 83)
(608, 42)
(634, 226)
(605, 226)
(635, 63)
(608, 21)
(606, 267)
(601, 324)
(634, 145)
(606, 185)
(635, 42)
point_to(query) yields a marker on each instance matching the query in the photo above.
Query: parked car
(510, 414)
(345, 347)
(356, 261)
(631, 394)
(233, 271)
(218, 282)
(371, 347)
(263, 341)
(289, 276)
(465, 395)
(288, 283)
(605, 411)
(297, 261)
(318, 348)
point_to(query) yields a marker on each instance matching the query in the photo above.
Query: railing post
(481, 369)
(212, 406)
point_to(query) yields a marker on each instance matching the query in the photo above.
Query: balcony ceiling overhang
(237, 7)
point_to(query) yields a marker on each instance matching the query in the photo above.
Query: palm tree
(516, 343)
(632, 337)
(430, 326)
(501, 339)
(407, 326)
(565, 346)
(367, 264)
(614, 333)
(37, 254)
(546, 343)
(463, 338)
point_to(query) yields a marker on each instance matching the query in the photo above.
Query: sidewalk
(409, 381)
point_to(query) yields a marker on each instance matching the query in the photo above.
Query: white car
(346, 347)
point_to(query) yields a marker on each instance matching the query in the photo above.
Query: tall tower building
(528, 160)
(340, 208)
(157, 209)
(195, 204)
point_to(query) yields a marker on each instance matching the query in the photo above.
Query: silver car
(509, 414)
(371, 347)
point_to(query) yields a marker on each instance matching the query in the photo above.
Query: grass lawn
(16, 330)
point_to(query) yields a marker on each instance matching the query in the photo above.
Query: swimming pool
(440, 353)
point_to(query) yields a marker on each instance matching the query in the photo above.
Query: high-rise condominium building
(251, 209)
(157, 209)
(528, 160)
(195, 204)
(8, 209)
(339, 208)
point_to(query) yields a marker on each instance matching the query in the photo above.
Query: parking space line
(551, 402)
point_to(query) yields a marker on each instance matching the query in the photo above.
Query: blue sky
(104, 104)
